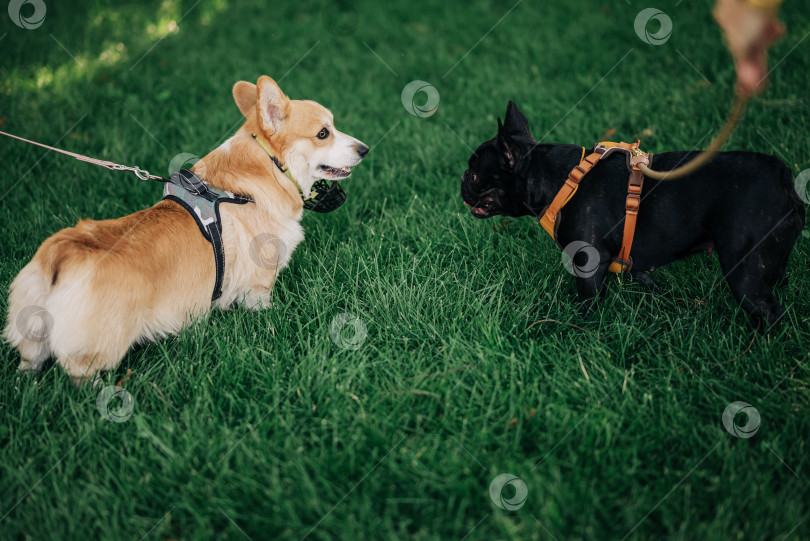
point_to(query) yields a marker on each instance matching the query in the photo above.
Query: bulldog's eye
(475, 177)
(323, 134)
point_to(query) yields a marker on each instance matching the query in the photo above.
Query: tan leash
(704, 157)
(140, 173)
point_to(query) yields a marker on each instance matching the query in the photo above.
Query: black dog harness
(202, 202)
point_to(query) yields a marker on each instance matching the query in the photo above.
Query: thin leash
(140, 173)
(704, 157)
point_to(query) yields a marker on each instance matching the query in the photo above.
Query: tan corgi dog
(93, 290)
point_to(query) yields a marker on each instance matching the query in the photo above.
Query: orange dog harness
(623, 262)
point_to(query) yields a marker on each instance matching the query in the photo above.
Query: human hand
(749, 31)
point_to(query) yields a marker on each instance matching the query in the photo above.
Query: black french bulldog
(741, 204)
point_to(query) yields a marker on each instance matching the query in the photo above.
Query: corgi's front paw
(28, 366)
(256, 300)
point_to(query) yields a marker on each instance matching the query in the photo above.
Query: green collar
(278, 164)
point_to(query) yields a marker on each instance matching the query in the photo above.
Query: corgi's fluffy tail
(29, 323)
(77, 304)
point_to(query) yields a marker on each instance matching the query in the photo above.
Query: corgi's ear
(273, 105)
(244, 94)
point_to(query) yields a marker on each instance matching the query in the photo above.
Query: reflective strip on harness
(202, 202)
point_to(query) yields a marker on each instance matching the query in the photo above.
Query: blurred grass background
(259, 426)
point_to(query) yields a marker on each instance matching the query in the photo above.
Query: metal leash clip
(142, 174)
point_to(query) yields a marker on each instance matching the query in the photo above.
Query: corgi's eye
(323, 134)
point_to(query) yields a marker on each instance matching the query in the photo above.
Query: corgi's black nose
(361, 149)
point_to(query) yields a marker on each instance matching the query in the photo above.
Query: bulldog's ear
(244, 94)
(516, 123)
(506, 145)
(273, 105)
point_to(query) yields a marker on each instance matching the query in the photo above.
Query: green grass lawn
(477, 362)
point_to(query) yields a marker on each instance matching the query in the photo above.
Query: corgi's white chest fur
(256, 257)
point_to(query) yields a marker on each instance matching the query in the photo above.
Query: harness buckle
(632, 203)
